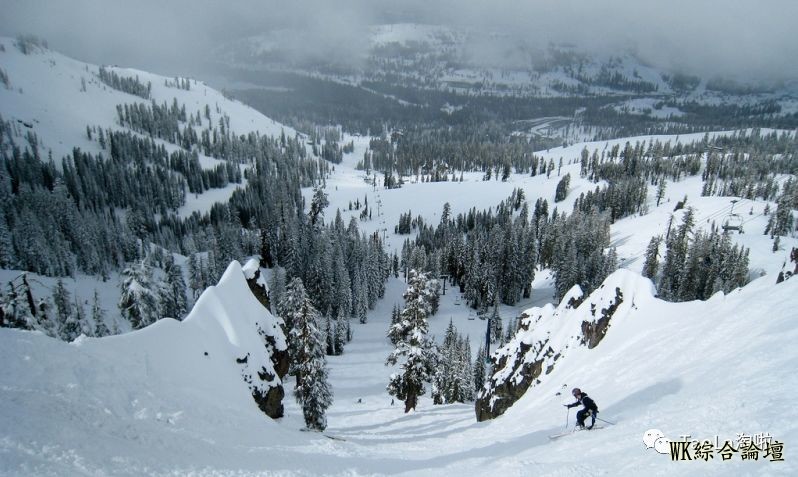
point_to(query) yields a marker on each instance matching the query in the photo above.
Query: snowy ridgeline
(165, 375)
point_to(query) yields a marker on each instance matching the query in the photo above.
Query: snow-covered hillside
(55, 98)
(58, 97)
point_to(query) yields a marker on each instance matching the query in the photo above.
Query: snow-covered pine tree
(466, 370)
(307, 352)
(454, 376)
(445, 389)
(16, 310)
(341, 331)
(317, 206)
(138, 302)
(434, 287)
(651, 263)
(496, 327)
(195, 280)
(67, 328)
(71, 326)
(414, 351)
(98, 316)
(83, 321)
(173, 300)
(393, 331)
(359, 296)
(479, 369)
(329, 335)
(677, 248)
(342, 301)
(277, 290)
(7, 259)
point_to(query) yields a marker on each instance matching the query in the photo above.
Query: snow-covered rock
(546, 334)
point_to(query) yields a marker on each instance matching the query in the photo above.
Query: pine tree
(414, 351)
(63, 311)
(16, 310)
(663, 184)
(7, 259)
(329, 335)
(393, 330)
(674, 264)
(195, 280)
(445, 385)
(652, 257)
(479, 369)
(82, 319)
(359, 296)
(138, 302)
(307, 354)
(466, 372)
(173, 297)
(98, 316)
(454, 376)
(317, 206)
(496, 332)
(341, 331)
(277, 290)
(72, 325)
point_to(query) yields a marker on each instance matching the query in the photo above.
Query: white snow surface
(151, 402)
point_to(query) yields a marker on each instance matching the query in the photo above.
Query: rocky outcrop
(272, 332)
(547, 334)
(259, 287)
(270, 401)
(594, 331)
(256, 282)
(519, 363)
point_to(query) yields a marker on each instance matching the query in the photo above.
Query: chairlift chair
(733, 222)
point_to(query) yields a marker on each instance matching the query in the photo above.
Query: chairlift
(733, 222)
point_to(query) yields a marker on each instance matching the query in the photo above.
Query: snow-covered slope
(704, 369)
(104, 404)
(152, 403)
(59, 96)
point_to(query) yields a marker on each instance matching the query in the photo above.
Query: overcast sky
(750, 38)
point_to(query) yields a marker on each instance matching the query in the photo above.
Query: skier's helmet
(576, 392)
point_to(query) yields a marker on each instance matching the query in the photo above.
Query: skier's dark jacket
(585, 401)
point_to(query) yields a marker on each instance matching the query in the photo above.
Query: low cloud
(735, 38)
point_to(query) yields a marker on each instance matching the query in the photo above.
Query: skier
(590, 408)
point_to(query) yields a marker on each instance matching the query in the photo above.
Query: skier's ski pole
(608, 422)
(567, 415)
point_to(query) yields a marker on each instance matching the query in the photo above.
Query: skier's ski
(563, 434)
(335, 438)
